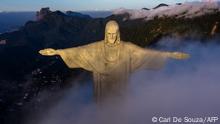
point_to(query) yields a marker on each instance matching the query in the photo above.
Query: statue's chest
(116, 62)
(112, 60)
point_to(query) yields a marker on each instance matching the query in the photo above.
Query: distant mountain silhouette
(160, 5)
(76, 14)
(145, 9)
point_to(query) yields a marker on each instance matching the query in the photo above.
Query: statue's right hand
(179, 55)
(48, 52)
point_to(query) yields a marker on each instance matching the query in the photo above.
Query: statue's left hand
(179, 55)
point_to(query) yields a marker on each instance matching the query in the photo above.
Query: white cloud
(187, 10)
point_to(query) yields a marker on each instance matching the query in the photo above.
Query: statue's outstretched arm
(76, 57)
(66, 54)
(138, 51)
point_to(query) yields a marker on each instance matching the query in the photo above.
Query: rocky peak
(42, 13)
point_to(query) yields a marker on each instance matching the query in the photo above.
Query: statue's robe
(111, 76)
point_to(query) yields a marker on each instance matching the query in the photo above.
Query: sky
(80, 5)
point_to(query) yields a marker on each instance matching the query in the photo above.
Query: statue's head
(112, 34)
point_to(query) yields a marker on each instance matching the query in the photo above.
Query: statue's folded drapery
(80, 57)
(90, 57)
(110, 76)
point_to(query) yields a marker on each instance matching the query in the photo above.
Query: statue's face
(112, 34)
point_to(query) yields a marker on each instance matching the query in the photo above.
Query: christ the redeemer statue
(111, 60)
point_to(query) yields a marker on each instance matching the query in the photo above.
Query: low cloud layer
(182, 88)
